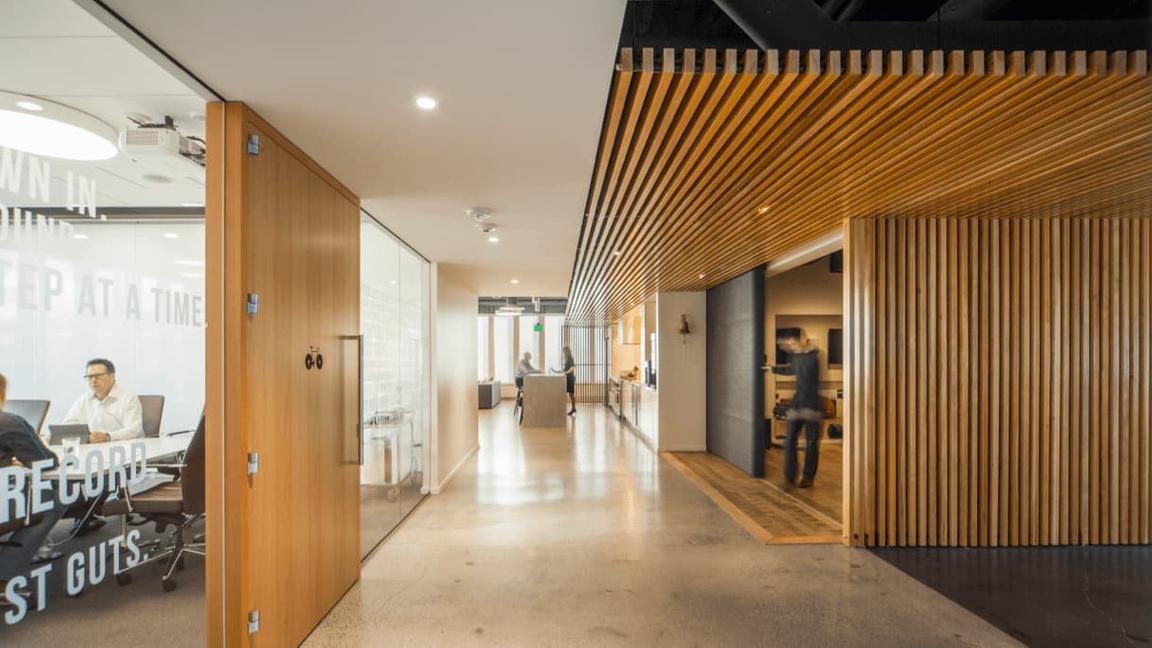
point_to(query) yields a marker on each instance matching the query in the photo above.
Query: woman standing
(570, 376)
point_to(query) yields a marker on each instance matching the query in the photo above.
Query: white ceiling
(55, 50)
(521, 84)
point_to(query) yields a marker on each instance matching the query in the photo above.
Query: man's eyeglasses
(91, 377)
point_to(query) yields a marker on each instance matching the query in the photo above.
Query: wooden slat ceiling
(711, 163)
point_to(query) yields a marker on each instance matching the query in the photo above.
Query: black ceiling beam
(802, 25)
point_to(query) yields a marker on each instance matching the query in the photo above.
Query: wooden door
(292, 239)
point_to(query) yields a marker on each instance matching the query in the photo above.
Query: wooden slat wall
(999, 380)
(712, 163)
(591, 349)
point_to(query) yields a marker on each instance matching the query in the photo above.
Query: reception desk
(544, 402)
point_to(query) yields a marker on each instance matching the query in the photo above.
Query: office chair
(33, 411)
(151, 411)
(178, 503)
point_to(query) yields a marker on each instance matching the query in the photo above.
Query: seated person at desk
(523, 369)
(111, 411)
(20, 445)
(805, 409)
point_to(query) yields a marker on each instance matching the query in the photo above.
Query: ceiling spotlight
(424, 102)
(617, 253)
(762, 210)
(702, 275)
(515, 281)
(170, 235)
(53, 130)
(80, 237)
(493, 239)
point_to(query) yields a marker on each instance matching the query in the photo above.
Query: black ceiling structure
(1108, 25)
(531, 305)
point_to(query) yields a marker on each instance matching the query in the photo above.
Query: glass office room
(396, 416)
(102, 253)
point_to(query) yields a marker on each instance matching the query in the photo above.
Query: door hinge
(253, 303)
(253, 144)
(253, 463)
(253, 622)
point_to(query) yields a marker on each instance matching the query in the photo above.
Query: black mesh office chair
(151, 411)
(178, 503)
(33, 411)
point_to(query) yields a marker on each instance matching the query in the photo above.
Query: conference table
(155, 449)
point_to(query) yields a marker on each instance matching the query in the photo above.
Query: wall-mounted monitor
(835, 346)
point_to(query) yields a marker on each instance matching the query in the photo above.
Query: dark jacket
(805, 367)
(19, 441)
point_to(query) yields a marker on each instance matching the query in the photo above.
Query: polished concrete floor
(583, 536)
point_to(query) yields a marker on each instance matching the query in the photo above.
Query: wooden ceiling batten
(715, 162)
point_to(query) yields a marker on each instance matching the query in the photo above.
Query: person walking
(805, 410)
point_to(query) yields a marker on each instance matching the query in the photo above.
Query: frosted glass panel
(394, 323)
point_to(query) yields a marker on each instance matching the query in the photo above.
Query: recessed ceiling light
(170, 235)
(617, 253)
(762, 210)
(192, 204)
(515, 281)
(80, 237)
(424, 102)
(55, 130)
(702, 275)
(493, 239)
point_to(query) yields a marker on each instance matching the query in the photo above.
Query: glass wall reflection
(394, 323)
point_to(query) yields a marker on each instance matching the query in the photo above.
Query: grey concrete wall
(735, 378)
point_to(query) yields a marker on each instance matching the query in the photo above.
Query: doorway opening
(804, 383)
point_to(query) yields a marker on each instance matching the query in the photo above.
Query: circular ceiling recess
(49, 129)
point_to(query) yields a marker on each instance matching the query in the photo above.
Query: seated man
(20, 445)
(111, 411)
(524, 368)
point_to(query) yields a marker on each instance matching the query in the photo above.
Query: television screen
(835, 346)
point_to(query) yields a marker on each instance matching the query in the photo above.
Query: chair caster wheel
(168, 584)
(123, 578)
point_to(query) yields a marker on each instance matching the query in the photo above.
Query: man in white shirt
(111, 411)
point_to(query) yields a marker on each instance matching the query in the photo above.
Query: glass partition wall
(102, 337)
(395, 390)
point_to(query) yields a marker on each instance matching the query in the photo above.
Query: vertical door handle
(359, 395)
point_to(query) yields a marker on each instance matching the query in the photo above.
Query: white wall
(682, 378)
(455, 414)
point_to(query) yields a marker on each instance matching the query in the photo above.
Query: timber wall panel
(1000, 377)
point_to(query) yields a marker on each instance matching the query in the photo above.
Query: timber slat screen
(591, 350)
(999, 380)
(714, 162)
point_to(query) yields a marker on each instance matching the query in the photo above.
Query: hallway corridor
(585, 537)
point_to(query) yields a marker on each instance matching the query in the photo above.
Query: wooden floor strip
(768, 513)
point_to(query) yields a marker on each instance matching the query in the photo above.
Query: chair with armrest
(151, 411)
(178, 503)
(33, 411)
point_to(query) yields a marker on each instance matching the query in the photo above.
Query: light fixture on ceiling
(702, 275)
(50, 129)
(617, 253)
(493, 239)
(170, 235)
(514, 281)
(80, 237)
(424, 102)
